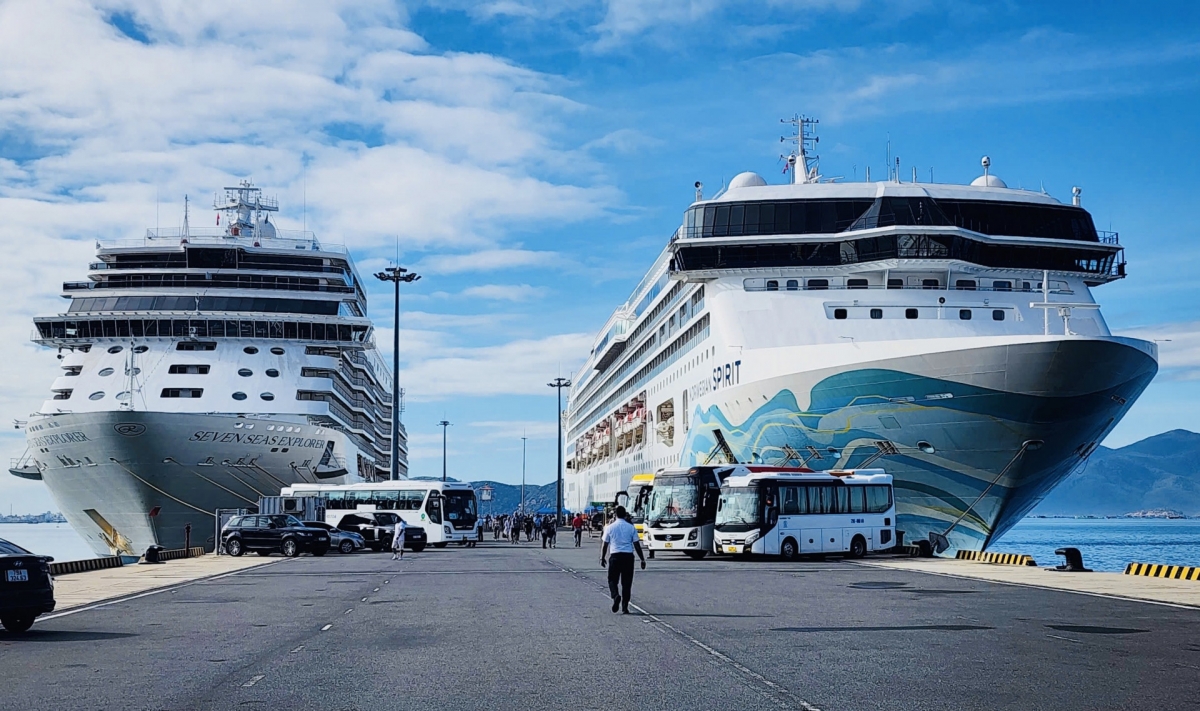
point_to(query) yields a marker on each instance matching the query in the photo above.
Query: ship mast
(801, 163)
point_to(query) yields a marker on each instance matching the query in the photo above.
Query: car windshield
(674, 500)
(460, 506)
(739, 507)
(7, 548)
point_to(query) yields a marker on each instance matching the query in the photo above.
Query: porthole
(115, 349)
(267, 396)
(998, 315)
(910, 313)
(133, 371)
(123, 395)
(245, 372)
(277, 350)
(964, 314)
(272, 373)
(105, 372)
(140, 349)
(839, 314)
(239, 396)
(876, 313)
(251, 350)
(96, 395)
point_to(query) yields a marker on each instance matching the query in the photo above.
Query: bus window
(434, 508)
(858, 499)
(841, 495)
(335, 499)
(385, 499)
(359, 497)
(790, 506)
(879, 498)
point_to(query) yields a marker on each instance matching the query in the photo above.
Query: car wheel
(443, 544)
(376, 547)
(696, 555)
(264, 554)
(789, 550)
(858, 547)
(17, 623)
(290, 549)
(234, 547)
(346, 546)
(417, 547)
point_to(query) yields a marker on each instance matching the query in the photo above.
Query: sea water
(1106, 544)
(57, 540)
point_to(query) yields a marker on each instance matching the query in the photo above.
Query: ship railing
(283, 239)
(183, 283)
(1108, 237)
(880, 287)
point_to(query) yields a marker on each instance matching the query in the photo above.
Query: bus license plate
(732, 549)
(668, 544)
(17, 576)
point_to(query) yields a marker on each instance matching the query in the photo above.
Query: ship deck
(502, 626)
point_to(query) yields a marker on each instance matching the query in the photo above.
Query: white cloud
(1178, 348)
(489, 260)
(505, 292)
(514, 430)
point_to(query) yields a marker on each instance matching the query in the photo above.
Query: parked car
(344, 541)
(275, 533)
(26, 588)
(378, 527)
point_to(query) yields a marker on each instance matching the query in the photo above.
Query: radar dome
(989, 181)
(746, 180)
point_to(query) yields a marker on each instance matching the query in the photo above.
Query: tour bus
(794, 512)
(636, 499)
(682, 509)
(445, 509)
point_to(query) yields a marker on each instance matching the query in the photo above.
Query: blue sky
(531, 158)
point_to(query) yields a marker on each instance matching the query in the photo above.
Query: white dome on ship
(989, 181)
(747, 180)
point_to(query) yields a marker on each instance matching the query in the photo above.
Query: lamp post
(396, 275)
(522, 508)
(558, 384)
(444, 424)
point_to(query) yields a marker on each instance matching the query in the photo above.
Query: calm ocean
(1107, 544)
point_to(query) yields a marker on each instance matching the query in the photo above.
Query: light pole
(444, 424)
(522, 476)
(396, 275)
(558, 384)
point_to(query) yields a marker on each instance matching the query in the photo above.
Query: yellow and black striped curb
(80, 566)
(996, 558)
(1155, 570)
(177, 553)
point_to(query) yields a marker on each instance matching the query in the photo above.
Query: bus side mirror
(622, 499)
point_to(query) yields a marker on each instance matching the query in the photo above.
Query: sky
(530, 158)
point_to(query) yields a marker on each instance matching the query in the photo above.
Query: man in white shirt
(398, 540)
(620, 543)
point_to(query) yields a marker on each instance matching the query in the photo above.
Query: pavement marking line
(254, 680)
(375, 590)
(347, 612)
(363, 600)
(780, 695)
(297, 649)
(1065, 639)
(326, 627)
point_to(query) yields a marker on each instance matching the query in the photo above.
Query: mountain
(1159, 472)
(506, 498)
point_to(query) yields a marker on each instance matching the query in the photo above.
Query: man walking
(549, 531)
(577, 527)
(398, 540)
(621, 540)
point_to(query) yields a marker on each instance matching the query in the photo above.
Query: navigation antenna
(801, 164)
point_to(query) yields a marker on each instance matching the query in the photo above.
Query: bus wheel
(788, 550)
(858, 547)
(696, 555)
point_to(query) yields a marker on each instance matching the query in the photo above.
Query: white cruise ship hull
(109, 471)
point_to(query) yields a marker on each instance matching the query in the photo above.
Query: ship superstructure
(203, 368)
(947, 333)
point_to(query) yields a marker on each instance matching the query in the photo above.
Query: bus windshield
(459, 507)
(675, 500)
(639, 501)
(739, 510)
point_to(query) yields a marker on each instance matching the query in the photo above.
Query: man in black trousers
(621, 540)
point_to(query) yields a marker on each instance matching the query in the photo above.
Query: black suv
(378, 527)
(26, 588)
(273, 533)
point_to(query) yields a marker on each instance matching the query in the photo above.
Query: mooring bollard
(1074, 561)
(151, 556)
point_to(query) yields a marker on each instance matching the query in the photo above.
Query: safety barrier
(178, 553)
(996, 558)
(1155, 570)
(80, 566)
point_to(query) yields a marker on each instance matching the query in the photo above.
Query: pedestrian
(620, 543)
(528, 529)
(398, 540)
(549, 531)
(577, 527)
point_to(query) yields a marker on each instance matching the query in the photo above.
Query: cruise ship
(947, 333)
(202, 369)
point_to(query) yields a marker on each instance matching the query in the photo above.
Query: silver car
(344, 541)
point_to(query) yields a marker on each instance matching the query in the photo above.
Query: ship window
(877, 313)
(1024, 286)
(895, 283)
(817, 284)
(123, 395)
(964, 314)
(251, 350)
(910, 313)
(267, 396)
(140, 349)
(98, 395)
(277, 350)
(245, 372)
(839, 314)
(181, 369)
(196, 346)
(772, 285)
(793, 285)
(856, 283)
(965, 284)
(183, 392)
(998, 315)
(1002, 285)
(115, 349)
(272, 373)
(62, 394)
(105, 372)
(239, 396)
(929, 284)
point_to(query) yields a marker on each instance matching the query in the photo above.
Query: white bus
(794, 512)
(683, 508)
(445, 509)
